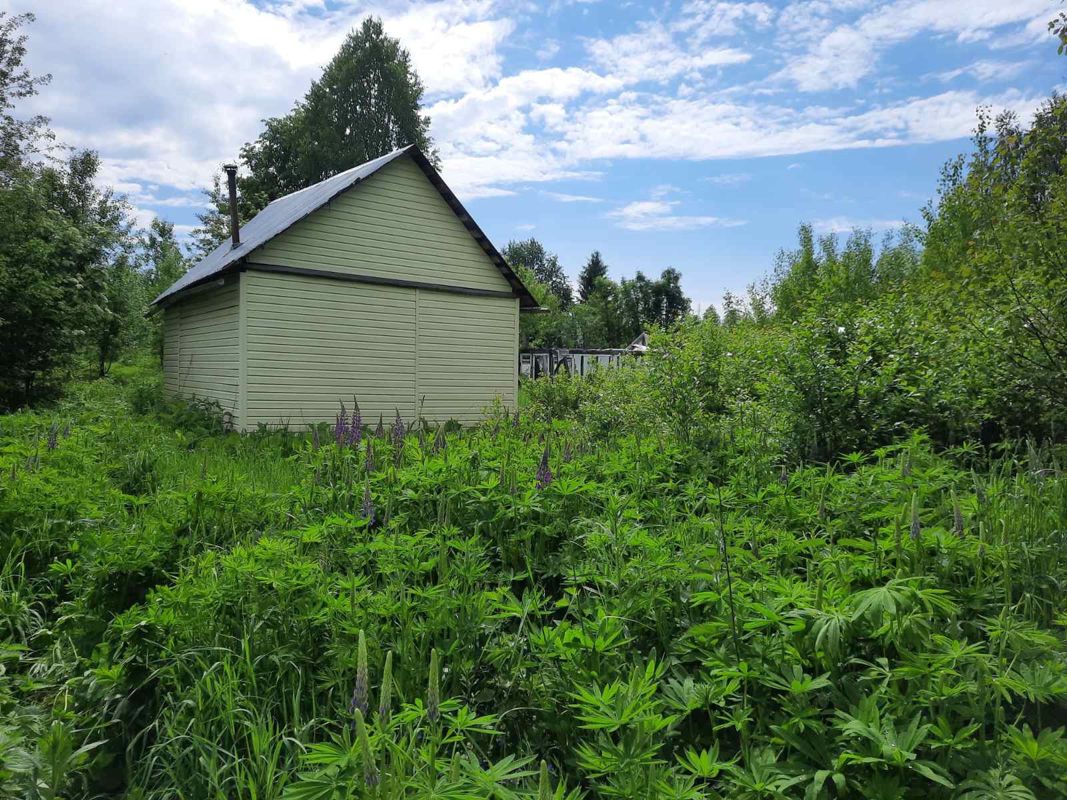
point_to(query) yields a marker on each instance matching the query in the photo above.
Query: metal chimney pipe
(235, 224)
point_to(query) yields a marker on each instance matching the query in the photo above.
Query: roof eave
(195, 287)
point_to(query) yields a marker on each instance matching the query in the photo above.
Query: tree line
(602, 313)
(77, 275)
(978, 289)
(957, 327)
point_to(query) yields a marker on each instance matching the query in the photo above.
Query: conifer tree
(594, 269)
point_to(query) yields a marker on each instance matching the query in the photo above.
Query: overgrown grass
(211, 614)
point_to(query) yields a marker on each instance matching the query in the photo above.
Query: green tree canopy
(18, 137)
(531, 255)
(63, 260)
(995, 244)
(67, 282)
(161, 258)
(606, 315)
(161, 263)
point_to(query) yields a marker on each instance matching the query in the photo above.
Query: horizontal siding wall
(201, 345)
(395, 225)
(467, 355)
(313, 343)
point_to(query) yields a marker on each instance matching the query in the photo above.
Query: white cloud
(705, 19)
(985, 70)
(658, 215)
(453, 48)
(644, 126)
(548, 50)
(168, 94)
(841, 55)
(729, 179)
(485, 138)
(652, 54)
(563, 197)
(662, 190)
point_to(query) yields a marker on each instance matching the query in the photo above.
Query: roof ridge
(390, 154)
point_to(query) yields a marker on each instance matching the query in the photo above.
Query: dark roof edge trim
(212, 281)
(526, 298)
(337, 274)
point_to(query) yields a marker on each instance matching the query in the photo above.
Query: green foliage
(197, 613)
(19, 138)
(815, 548)
(64, 280)
(997, 236)
(530, 256)
(847, 347)
(160, 264)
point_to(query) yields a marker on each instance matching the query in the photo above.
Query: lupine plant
(534, 607)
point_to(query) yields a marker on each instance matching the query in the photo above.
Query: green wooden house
(374, 284)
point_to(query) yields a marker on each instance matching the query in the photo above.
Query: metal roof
(283, 213)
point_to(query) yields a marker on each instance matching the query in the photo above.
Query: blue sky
(695, 133)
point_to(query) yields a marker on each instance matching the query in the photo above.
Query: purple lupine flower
(361, 689)
(66, 429)
(368, 505)
(397, 436)
(370, 766)
(340, 428)
(369, 465)
(517, 419)
(385, 698)
(544, 471)
(53, 436)
(355, 431)
(380, 430)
